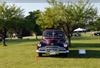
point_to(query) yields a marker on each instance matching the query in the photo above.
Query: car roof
(51, 29)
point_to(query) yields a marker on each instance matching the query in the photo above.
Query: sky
(32, 6)
(41, 6)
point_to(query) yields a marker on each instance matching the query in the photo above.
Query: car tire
(40, 54)
(63, 54)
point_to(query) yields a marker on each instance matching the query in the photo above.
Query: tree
(7, 13)
(67, 17)
(95, 25)
(31, 20)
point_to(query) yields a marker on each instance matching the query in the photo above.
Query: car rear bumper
(66, 51)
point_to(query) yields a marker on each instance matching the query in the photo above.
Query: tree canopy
(7, 13)
(31, 20)
(67, 16)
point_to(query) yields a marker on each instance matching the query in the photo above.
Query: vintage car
(53, 43)
(97, 33)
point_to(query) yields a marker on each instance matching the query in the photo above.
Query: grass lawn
(21, 54)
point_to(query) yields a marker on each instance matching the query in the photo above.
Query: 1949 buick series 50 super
(53, 43)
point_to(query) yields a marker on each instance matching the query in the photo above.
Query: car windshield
(53, 33)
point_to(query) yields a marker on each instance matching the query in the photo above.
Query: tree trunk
(69, 41)
(19, 32)
(4, 36)
(36, 36)
(4, 42)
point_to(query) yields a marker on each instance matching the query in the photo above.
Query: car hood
(52, 40)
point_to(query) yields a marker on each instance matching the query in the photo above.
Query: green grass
(21, 54)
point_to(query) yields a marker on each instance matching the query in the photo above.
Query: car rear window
(53, 33)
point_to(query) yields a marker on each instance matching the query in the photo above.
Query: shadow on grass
(87, 45)
(19, 41)
(89, 54)
(75, 54)
(22, 40)
(86, 38)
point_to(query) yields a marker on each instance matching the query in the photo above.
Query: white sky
(32, 6)
(41, 6)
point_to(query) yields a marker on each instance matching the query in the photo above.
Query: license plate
(51, 50)
(52, 53)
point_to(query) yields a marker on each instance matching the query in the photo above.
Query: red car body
(53, 42)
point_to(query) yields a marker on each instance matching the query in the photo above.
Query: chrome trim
(67, 51)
